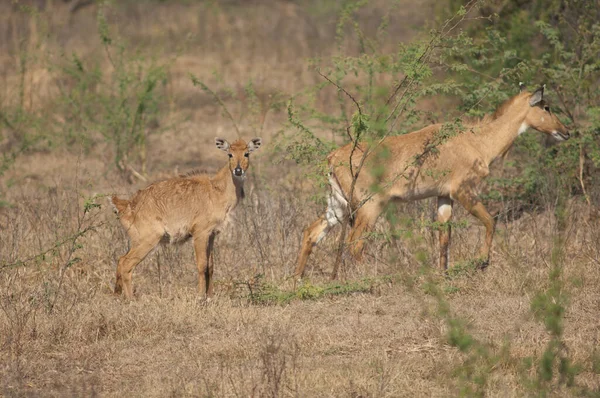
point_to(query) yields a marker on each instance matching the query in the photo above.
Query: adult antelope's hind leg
(364, 220)
(312, 235)
(476, 208)
(335, 213)
(138, 251)
(444, 214)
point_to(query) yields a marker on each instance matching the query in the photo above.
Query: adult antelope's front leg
(470, 202)
(444, 214)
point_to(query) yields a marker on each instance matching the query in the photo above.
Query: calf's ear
(222, 144)
(254, 144)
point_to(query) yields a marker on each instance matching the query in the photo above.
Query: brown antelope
(193, 206)
(453, 172)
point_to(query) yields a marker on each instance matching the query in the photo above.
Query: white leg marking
(445, 212)
(333, 216)
(336, 208)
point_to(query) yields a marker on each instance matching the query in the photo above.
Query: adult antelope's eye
(230, 155)
(246, 154)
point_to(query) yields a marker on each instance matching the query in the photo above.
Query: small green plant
(463, 268)
(263, 293)
(120, 104)
(549, 306)
(479, 358)
(116, 98)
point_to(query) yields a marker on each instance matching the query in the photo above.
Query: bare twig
(126, 166)
(40, 256)
(355, 143)
(206, 89)
(341, 89)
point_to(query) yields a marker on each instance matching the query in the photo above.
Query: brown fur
(452, 172)
(176, 209)
(120, 204)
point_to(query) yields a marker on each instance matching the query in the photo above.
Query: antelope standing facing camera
(192, 206)
(453, 172)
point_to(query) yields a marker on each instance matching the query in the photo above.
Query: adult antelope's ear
(522, 87)
(537, 96)
(222, 144)
(254, 144)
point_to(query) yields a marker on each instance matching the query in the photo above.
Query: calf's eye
(246, 154)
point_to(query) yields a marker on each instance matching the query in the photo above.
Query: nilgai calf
(452, 172)
(193, 206)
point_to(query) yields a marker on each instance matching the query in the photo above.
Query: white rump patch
(336, 207)
(523, 128)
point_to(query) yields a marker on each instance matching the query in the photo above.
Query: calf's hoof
(481, 263)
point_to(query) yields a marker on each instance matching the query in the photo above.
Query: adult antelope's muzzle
(560, 136)
(238, 171)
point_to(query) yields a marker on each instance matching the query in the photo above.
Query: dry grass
(63, 332)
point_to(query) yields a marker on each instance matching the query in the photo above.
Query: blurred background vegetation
(88, 72)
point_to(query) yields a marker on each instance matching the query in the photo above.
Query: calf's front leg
(201, 245)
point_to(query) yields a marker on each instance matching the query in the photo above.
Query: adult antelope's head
(239, 154)
(542, 119)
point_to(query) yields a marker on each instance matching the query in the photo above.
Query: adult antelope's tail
(120, 205)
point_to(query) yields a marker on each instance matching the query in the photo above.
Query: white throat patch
(523, 128)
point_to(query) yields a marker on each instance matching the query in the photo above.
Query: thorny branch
(57, 245)
(206, 89)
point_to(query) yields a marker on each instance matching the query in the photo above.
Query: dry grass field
(387, 328)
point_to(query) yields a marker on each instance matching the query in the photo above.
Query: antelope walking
(192, 206)
(453, 172)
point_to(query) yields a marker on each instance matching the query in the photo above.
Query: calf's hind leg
(138, 251)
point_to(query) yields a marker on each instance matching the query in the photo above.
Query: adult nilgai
(192, 206)
(413, 170)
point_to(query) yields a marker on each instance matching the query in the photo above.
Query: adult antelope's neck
(496, 137)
